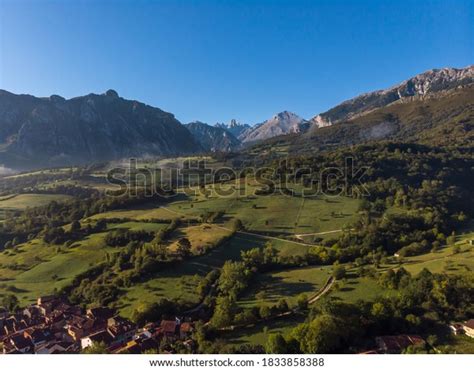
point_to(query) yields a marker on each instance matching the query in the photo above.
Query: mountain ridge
(423, 84)
(213, 138)
(58, 131)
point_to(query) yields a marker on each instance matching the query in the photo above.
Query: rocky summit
(39, 132)
(424, 84)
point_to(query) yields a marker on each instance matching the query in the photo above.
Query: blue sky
(217, 60)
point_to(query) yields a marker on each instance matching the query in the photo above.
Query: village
(52, 326)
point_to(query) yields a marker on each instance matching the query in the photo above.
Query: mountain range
(213, 138)
(40, 132)
(234, 127)
(37, 132)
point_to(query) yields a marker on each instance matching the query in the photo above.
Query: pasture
(23, 201)
(34, 268)
(287, 284)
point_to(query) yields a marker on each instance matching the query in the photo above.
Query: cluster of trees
(122, 237)
(431, 185)
(28, 182)
(33, 221)
(235, 277)
(423, 303)
(138, 260)
(58, 235)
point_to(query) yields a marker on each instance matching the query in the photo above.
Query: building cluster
(52, 325)
(394, 344)
(459, 328)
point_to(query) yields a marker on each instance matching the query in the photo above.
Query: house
(22, 344)
(397, 343)
(47, 304)
(38, 336)
(100, 313)
(185, 330)
(3, 333)
(456, 328)
(79, 327)
(10, 325)
(56, 347)
(96, 338)
(45, 300)
(169, 328)
(121, 330)
(31, 312)
(468, 327)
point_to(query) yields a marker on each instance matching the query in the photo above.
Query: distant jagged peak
(282, 123)
(233, 123)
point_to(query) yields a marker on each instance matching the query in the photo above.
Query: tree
(322, 335)
(302, 301)
(432, 340)
(275, 344)
(264, 312)
(75, 226)
(450, 240)
(379, 310)
(184, 247)
(10, 302)
(224, 312)
(338, 272)
(96, 349)
(161, 251)
(237, 225)
(282, 305)
(233, 278)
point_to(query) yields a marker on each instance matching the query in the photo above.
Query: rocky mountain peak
(423, 84)
(280, 124)
(112, 94)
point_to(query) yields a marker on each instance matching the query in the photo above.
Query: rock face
(433, 81)
(36, 132)
(280, 124)
(234, 127)
(213, 138)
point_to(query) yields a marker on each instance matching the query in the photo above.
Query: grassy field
(204, 236)
(138, 226)
(34, 269)
(23, 201)
(288, 284)
(277, 215)
(443, 261)
(179, 282)
(259, 333)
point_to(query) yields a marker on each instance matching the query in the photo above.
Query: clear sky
(217, 60)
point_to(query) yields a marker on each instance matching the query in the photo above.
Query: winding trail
(323, 290)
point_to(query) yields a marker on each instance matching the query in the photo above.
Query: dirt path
(299, 236)
(323, 290)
